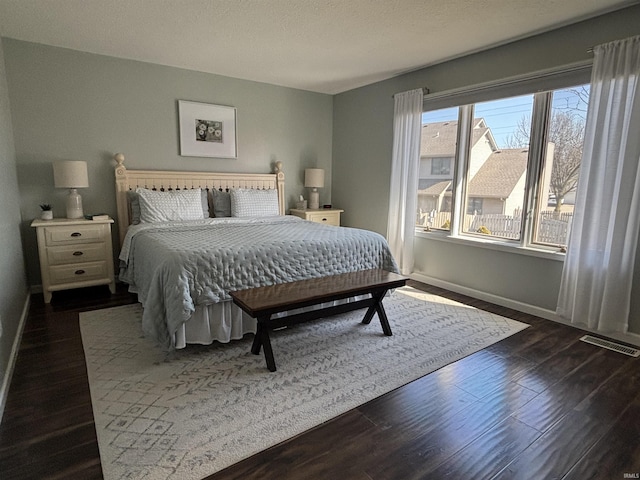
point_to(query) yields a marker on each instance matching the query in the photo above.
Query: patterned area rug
(194, 412)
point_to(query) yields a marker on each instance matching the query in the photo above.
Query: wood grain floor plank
(555, 452)
(490, 453)
(615, 454)
(555, 402)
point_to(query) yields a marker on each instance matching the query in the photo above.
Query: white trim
(493, 244)
(629, 337)
(6, 381)
(528, 83)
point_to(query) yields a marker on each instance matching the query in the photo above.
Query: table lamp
(314, 179)
(71, 174)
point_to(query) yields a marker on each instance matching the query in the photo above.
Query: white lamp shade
(314, 177)
(70, 174)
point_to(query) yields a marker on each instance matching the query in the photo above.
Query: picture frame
(207, 130)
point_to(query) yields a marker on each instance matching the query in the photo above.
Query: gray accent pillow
(134, 202)
(221, 203)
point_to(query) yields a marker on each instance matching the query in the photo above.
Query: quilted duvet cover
(174, 266)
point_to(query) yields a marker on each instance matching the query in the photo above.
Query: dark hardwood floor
(537, 405)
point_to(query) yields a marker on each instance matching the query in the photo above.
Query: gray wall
(362, 148)
(80, 106)
(14, 293)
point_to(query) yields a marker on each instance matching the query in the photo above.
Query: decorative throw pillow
(221, 203)
(246, 202)
(205, 203)
(134, 202)
(172, 205)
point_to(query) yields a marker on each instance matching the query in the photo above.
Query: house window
(441, 165)
(474, 206)
(517, 163)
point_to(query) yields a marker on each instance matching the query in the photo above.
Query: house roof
(438, 139)
(436, 189)
(500, 173)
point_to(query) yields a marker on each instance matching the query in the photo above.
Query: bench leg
(262, 340)
(379, 309)
(257, 341)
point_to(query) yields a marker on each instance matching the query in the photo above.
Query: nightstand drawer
(65, 235)
(67, 254)
(330, 218)
(78, 272)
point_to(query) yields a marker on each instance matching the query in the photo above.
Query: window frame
(541, 85)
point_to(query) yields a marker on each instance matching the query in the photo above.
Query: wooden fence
(552, 228)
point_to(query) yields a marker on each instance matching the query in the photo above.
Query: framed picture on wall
(207, 130)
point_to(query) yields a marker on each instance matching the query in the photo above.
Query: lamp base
(314, 199)
(74, 204)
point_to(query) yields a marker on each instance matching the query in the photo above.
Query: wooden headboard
(179, 180)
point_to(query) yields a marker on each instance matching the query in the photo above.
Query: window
(515, 163)
(437, 153)
(561, 165)
(497, 168)
(441, 165)
(474, 206)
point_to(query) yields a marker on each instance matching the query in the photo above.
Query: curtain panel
(403, 196)
(596, 281)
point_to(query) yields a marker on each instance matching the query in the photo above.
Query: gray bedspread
(175, 266)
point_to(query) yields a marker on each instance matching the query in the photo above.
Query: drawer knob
(324, 219)
(76, 234)
(79, 272)
(78, 254)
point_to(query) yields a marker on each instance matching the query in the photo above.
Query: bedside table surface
(66, 221)
(316, 210)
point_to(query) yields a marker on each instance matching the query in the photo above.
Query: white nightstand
(330, 216)
(74, 253)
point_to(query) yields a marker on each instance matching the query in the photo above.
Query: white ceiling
(326, 46)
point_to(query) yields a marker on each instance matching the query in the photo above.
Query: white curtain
(596, 281)
(407, 125)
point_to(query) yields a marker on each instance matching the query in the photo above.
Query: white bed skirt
(224, 321)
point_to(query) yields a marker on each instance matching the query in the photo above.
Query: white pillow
(169, 206)
(247, 202)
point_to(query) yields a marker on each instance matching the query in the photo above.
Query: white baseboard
(631, 338)
(6, 381)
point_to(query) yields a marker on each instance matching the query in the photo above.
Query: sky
(502, 116)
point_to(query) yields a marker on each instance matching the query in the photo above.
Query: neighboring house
(496, 176)
(437, 150)
(498, 186)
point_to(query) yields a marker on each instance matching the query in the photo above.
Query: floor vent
(616, 347)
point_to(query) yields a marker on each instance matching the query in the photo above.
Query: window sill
(492, 244)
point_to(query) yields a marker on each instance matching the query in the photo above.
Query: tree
(566, 132)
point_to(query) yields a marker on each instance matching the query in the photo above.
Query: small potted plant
(47, 213)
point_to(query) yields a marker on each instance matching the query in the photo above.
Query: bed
(189, 238)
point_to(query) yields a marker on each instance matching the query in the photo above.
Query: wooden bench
(263, 302)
